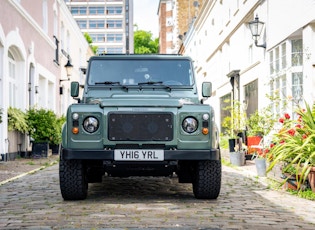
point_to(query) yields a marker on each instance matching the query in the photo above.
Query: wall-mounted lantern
(69, 67)
(256, 27)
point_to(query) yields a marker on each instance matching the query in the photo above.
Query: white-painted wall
(220, 41)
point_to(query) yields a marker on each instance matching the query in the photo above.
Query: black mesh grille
(140, 127)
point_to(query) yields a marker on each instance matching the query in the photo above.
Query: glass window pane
(277, 60)
(271, 69)
(82, 24)
(283, 55)
(297, 85)
(74, 10)
(83, 10)
(297, 52)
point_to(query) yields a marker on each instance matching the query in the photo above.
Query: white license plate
(139, 155)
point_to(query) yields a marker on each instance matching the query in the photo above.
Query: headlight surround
(90, 124)
(190, 124)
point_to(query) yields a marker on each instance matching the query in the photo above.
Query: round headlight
(190, 124)
(90, 124)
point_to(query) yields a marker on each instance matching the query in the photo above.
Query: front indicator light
(205, 131)
(75, 130)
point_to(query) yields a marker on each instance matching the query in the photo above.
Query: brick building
(175, 19)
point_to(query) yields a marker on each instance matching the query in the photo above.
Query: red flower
(282, 142)
(287, 116)
(272, 145)
(298, 126)
(300, 119)
(304, 136)
(291, 132)
(266, 151)
(281, 120)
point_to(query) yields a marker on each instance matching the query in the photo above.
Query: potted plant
(295, 146)
(234, 125)
(43, 129)
(259, 152)
(237, 157)
(17, 128)
(259, 124)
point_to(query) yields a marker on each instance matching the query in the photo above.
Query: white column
(309, 63)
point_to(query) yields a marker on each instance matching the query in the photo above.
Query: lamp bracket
(61, 80)
(261, 45)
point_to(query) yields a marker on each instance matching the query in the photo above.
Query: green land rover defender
(140, 115)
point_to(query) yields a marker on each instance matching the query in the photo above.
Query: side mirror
(75, 89)
(206, 89)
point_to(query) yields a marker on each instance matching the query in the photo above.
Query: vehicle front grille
(140, 126)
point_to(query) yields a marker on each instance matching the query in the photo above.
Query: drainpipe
(6, 150)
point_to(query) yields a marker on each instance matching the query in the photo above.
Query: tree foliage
(90, 41)
(144, 43)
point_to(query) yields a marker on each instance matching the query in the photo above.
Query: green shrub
(44, 126)
(224, 143)
(17, 120)
(58, 134)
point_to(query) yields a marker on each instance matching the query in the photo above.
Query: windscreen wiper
(108, 83)
(154, 83)
(151, 83)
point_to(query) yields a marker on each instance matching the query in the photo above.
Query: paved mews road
(34, 202)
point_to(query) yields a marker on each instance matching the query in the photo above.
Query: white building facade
(108, 22)
(221, 44)
(35, 44)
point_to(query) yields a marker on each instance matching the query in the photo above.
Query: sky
(145, 15)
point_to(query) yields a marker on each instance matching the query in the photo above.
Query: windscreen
(137, 72)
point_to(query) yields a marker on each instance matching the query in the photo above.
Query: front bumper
(169, 155)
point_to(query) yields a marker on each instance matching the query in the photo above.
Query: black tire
(207, 179)
(72, 178)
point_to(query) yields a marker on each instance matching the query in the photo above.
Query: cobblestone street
(34, 202)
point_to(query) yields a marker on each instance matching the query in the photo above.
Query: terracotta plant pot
(311, 179)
